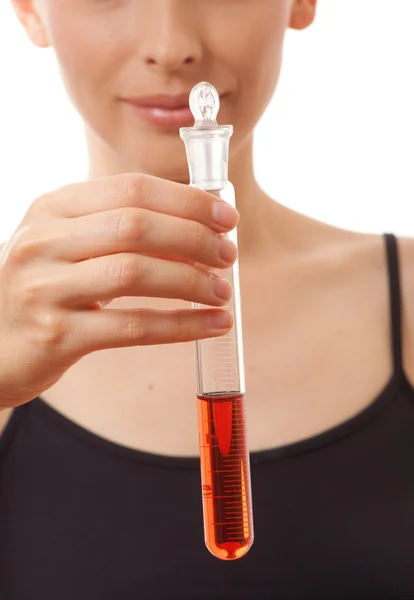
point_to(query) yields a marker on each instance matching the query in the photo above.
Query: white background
(337, 142)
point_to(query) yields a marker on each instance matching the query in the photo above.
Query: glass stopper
(204, 104)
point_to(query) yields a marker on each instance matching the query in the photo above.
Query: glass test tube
(225, 465)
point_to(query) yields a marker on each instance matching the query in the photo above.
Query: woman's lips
(160, 115)
(163, 109)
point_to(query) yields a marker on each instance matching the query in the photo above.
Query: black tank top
(84, 518)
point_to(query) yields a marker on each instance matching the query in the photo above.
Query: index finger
(143, 191)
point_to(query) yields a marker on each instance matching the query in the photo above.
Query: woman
(99, 481)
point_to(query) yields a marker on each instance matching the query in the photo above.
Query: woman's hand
(82, 246)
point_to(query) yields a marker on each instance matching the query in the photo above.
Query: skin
(127, 57)
(298, 276)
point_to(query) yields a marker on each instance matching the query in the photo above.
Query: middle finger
(139, 230)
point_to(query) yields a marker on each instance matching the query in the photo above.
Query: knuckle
(124, 272)
(196, 197)
(129, 225)
(194, 281)
(199, 237)
(181, 327)
(33, 291)
(129, 186)
(40, 205)
(201, 199)
(51, 329)
(25, 246)
(137, 327)
(190, 200)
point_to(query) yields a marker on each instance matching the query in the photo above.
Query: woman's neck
(260, 217)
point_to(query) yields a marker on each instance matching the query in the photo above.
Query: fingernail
(221, 288)
(226, 249)
(219, 320)
(225, 215)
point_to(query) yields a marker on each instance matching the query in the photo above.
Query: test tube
(224, 457)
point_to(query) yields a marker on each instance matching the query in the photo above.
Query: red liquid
(225, 474)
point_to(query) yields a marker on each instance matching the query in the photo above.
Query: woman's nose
(168, 62)
(170, 38)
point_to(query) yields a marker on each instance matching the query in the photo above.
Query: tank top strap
(395, 301)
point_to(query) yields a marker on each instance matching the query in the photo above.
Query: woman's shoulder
(363, 254)
(331, 245)
(367, 253)
(362, 259)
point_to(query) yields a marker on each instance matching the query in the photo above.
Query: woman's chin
(167, 161)
(164, 169)
(172, 175)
